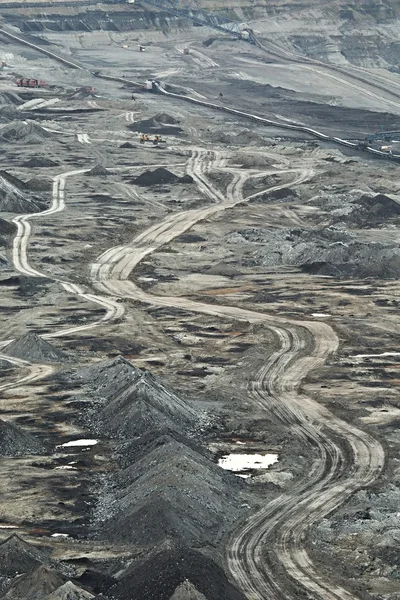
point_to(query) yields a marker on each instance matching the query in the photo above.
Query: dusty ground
(261, 291)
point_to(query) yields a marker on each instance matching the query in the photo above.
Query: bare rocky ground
(163, 391)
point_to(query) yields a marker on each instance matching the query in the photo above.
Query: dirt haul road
(339, 473)
(274, 388)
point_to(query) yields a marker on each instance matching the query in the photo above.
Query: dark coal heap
(14, 441)
(160, 176)
(17, 557)
(34, 348)
(40, 161)
(157, 577)
(161, 123)
(131, 402)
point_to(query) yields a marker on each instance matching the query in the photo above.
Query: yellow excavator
(157, 139)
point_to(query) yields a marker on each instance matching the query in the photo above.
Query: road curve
(275, 387)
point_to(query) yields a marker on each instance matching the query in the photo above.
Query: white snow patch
(60, 535)
(8, 527)
(320, 315)
(244, 462)
(66, 468)
(376, 355)
(78, 443)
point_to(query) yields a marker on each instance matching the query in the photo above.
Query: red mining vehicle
(30, 83)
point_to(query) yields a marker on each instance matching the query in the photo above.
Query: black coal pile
(70, 591)
(131, 402)
(371, 211)
(162, 124)
(160, 176)
(7, 98)
(187, 591)
(40, 161)
(7, 228)
(35, 349)
(14, 200)
(14, 441)
(25, 132)
(171, 491)
(133, 450)
(157, 577)
(18, 557)
(38, 184)
(98, 171)
(326, 251)
(36, 585)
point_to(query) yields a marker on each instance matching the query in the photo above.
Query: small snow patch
(320, 315)
(60, 535)
(238, 463)
(78, 443)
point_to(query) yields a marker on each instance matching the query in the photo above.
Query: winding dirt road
(348, 457)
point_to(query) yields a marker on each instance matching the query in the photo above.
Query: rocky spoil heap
(27, 132)
(18, 557)
(170, 491)
(159, 574)
(130, 402)
(13, 199)
(33, 348)
(14, 441)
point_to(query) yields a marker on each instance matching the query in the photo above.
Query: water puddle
(78, 443)
(240, 463)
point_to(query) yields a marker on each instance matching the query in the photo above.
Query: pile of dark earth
(15, 198)
(32, 347)
(6, 230)
(167, 572)
(166, 498)
(162, 124)
(25, 132)
(160, 176)
(14, 441)
(338, 247)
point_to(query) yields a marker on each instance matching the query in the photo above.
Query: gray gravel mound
(133, 450)
(35, 349)
(161, 123)
(17, 557)
(327, 251)
(25, 132)
(69, 591)
(371, 211)
(39, 184)
(132, 402)
(187, 591)
(40, 161)
(16, 442)
(10, 98)
(157, 576)
(13, 200)
(98, 171)
(34, 586)
(127, 145)
(173, 492)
